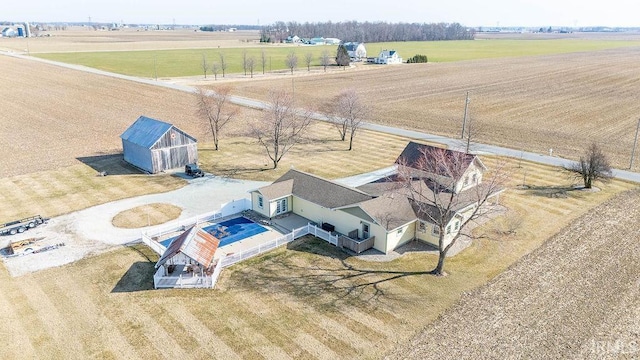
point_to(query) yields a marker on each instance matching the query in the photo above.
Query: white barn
(356, 51)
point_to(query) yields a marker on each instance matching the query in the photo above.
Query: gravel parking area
(577, 296)
(90, 231)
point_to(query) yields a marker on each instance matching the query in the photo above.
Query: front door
(365, 230)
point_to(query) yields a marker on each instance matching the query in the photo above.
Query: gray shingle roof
(317, 190)
(390, 210)
(414, 153)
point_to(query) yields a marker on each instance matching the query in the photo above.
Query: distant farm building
(155, 146)
(9, 32)
(356, 51)
(388, 57)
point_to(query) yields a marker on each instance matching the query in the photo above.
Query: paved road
(450, 142)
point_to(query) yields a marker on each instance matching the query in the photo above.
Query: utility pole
(464, 119)
(635, 142)
(155, 67)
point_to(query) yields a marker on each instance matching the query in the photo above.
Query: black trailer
(22, 225)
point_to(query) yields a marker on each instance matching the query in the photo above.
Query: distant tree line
(225, 27)
(367, 31)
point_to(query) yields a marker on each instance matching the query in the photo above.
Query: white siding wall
(254, 204)
(400, 236)
(343, 221)
(473, 169)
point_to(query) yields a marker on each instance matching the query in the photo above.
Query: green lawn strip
(188, 62)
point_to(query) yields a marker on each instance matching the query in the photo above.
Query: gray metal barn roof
(146, 131)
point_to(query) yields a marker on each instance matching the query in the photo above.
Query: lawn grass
(322, 153)
(146, 215)
(55, 192)
(305, 300)
(447, 51)
(188, 62)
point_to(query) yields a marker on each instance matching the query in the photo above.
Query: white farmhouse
(388, 57)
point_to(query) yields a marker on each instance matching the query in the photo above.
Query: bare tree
(216, 109)
(291, 61)
(215, 69)
(308, 58)
(431, 181)
(281, 127)
(223, 64)
(325, 59)
(205, 65)
(347, 111)
(593, 166)
(263, 60)
(244, 61)
(251, 64)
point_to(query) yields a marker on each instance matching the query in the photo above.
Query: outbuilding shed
(154, 146)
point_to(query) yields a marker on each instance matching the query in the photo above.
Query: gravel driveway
(90, 231)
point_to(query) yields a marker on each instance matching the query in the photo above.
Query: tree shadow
(328, 283)
(238, 171)
(552, 191)
(109, 164)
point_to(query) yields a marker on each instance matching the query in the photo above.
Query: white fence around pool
(147, 238)
(227, 209)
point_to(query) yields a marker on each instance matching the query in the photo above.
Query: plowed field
(559, 102)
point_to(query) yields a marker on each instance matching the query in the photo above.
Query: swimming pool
(229, 231)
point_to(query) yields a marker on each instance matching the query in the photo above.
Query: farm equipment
(193, 170)
(22, 225)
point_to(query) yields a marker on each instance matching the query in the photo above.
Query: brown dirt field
(146, 215)
(53, 117)
(577, 296)
(80, 39)
(562, 102)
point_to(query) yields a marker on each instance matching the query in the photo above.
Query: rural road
(418, 135)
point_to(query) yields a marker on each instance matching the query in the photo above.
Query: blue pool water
(229, 231)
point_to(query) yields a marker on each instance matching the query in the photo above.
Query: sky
(488, 13)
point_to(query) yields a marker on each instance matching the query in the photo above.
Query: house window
(422, 227)
(260, 202)
(466, 180)
(436, 230)
(399, 231)
(474, 178)
(456, 225)
(281, 206)
(448, 229)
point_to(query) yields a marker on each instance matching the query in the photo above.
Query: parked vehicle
(22, 225)
(193, 170)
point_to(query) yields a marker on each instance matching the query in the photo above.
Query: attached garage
(155, 146)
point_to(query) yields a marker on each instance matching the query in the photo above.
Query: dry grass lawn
(146, 215)
(55, 192)
(535, 103)
(308, 300)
